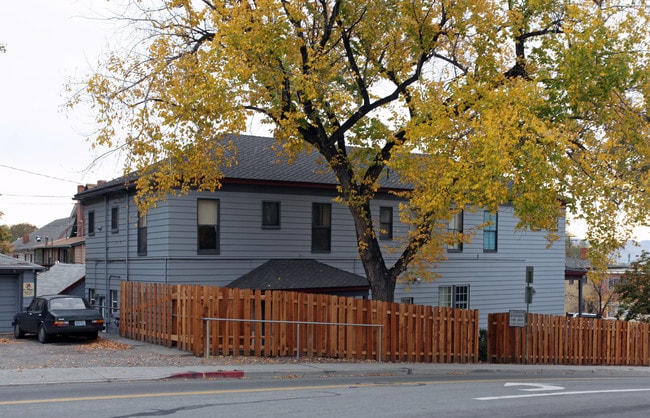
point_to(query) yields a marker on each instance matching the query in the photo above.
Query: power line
(35, 195)
(38, 174)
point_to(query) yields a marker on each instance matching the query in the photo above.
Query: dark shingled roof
(298, 274)
(577, 263)
(258, 161)
(10, 263)
(59, 278)
(57, 229)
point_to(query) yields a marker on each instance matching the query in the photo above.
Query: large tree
(19, 230)
(633, 290)
(5, 238)
(476, 103)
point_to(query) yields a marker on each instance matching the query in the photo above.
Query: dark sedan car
(53, 315)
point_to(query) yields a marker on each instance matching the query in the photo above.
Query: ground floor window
(92, 297)
(115, 302)
(454, 296)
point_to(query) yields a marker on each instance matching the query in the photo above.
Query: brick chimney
(25, 238)
(584, 251)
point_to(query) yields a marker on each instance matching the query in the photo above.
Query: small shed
(17, 287)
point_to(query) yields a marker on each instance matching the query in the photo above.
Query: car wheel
(18, 333)
(91, 336)
(42, 335)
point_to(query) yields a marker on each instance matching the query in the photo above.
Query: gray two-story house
(275, 225)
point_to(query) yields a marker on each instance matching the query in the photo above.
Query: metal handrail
(297, 323)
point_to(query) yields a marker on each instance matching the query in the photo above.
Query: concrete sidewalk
(288, 371)
(279, 370)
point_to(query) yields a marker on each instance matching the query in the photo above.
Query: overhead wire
(37, 174)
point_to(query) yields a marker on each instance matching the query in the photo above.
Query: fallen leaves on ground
(103, 344)
(9, 341)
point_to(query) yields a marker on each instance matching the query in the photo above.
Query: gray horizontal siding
(496, 279)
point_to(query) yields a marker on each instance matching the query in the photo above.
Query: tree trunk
(381, 285)
(381, 279)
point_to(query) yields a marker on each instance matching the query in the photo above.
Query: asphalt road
(359, 397)
(472, 391)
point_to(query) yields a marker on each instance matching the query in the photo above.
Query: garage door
(8, 301)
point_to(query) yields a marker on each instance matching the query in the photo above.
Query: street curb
(221, 374)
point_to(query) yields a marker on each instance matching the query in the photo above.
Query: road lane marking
(166, 394)
(207, 392)
(535, 386)
(540, 395)
(277, 389)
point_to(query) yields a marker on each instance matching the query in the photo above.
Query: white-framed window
(490, 236)
(456, 296)
(92, 297)
(455, 229)
(115, 302)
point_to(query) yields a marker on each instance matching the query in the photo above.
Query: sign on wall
(28, 290)
(517, 318)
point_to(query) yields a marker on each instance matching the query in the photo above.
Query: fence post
(381, 328)
(207, 338)
(298, 341)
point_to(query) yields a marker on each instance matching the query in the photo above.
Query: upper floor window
(453, 296)
(321, 227)
(455, 229)
(490, 231)
(270, 214)
(208, 226)
(115, 219)
(386, 222)
(91, 222)
(142, 233)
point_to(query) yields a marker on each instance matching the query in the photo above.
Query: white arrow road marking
(539, 395)
(535, 386)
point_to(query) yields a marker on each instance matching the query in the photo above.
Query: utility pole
(530, 291)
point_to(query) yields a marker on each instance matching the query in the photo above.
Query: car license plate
(79, 323)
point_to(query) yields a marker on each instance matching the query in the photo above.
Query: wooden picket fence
(277, 323)
(573, 341)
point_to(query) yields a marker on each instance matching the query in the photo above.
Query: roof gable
(55, 230)
(12, 263)
(298, 274)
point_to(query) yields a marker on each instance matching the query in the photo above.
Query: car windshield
(67, 303)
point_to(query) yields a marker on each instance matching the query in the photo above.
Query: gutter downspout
(106, 278)
(128, 235)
